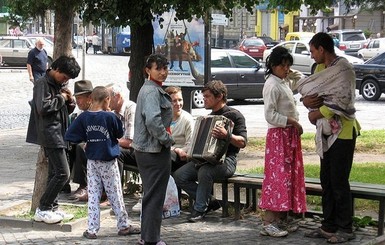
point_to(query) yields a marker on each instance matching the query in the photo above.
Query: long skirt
(283, 187)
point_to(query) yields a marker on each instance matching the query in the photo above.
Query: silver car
(14, 49)
(300, 50)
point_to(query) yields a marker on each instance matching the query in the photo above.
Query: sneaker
(273, 231)
(196, 216)
(137, 207)
(47, 216)
(64, 215)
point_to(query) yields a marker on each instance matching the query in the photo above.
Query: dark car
(252, 46)
(242, 75)
(269, 42)
(370, 77)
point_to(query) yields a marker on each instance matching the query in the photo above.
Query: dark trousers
(336, 196)
(58, 174)
(155, 170)
(80, 166)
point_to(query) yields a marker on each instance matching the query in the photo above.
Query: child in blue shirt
(101, 129)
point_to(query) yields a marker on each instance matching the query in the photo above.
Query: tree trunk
(141, 46)
(40, 179)
(64, 15)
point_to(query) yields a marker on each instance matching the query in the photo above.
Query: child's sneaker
(273, 231)
(47, 216)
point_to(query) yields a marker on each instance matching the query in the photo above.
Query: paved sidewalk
(17, 163)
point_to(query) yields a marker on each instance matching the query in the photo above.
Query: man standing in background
(37, 62)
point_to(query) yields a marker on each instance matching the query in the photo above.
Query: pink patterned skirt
(283, 187)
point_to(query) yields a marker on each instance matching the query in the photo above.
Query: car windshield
(252, 42)
(267, 39)
(355, 36)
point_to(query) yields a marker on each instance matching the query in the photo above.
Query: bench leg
(254, 199)
(237, 202)
(225, 200)
(381, 214)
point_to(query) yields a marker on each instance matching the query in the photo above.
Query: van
(15, 49)
(350, 40)
(303, 36)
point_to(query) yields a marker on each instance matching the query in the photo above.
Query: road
(16, 91)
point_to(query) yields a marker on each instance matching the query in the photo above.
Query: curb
(64, 227)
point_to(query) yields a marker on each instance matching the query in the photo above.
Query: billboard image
(182, 42)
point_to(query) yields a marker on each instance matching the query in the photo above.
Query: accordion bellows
(204, 147)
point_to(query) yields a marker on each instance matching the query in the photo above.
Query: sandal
(131, 229)
(341, 237)
(319, 233)
(89, 235)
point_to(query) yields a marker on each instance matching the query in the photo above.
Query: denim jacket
(153, 115)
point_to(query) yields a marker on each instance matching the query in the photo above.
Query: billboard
(182, 42)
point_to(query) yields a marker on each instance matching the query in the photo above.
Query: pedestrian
(37, 61)
(152, 143)
(181, 130)
(101, 129)
(283, 187)
(336, 87)
(198, 181)
(95, 43)
(50, 105)
(82, 93)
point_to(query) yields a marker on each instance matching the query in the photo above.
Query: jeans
(336, 197)
(198, 181)
(58, 175)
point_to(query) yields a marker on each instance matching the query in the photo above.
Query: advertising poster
(182, 42)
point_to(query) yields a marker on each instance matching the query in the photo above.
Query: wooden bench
(313, 187)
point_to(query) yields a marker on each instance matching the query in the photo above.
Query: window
(376, 44)
(6, 43)
(220, 59)
(289, 46)
(354, 36)
(243, 61)
(17, 43)
(300, 47)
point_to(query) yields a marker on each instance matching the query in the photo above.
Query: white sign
(219, 19)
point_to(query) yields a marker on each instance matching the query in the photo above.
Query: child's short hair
(99, 94)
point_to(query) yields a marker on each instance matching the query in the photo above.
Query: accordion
(204, 147)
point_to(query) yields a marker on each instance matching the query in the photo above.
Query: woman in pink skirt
(283, 187)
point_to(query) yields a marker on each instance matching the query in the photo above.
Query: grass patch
(371, 141)
(79, 212)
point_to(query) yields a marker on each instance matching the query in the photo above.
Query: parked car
(252, 46)
(269, 42)
(300, 50)
(14, 49)
(303, 36)
(374, 47)
(350, 40)
(49, 37)
(242, 75)
(370, 77)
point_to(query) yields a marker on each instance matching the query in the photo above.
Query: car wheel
(198, 99)
(370, 90)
